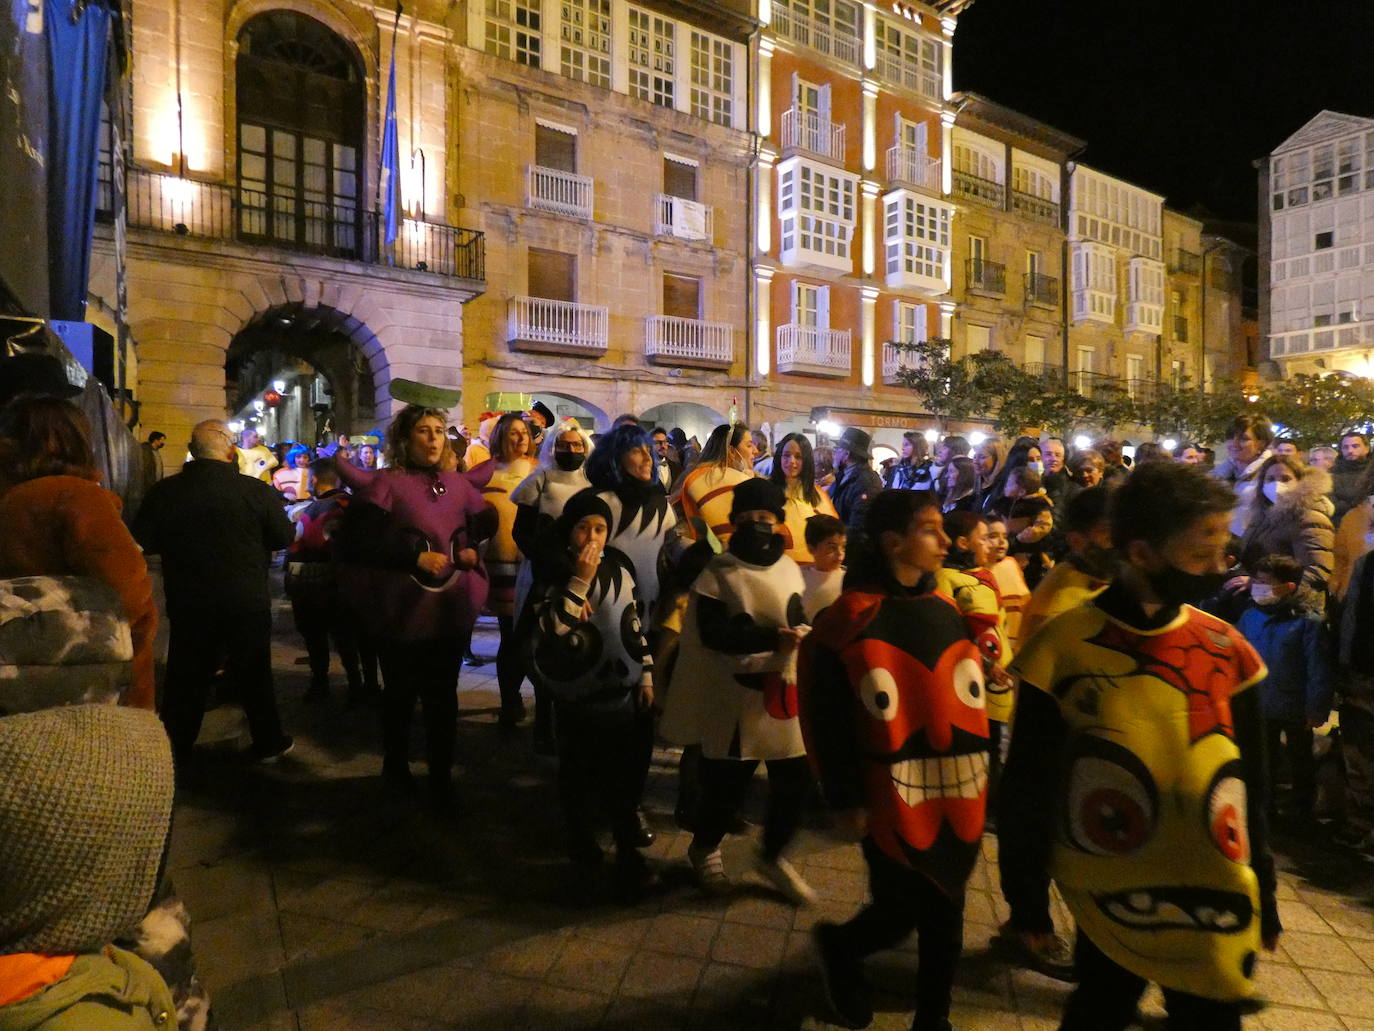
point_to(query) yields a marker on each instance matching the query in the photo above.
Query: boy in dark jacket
(1296, 696)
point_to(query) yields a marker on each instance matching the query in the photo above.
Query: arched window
(300, 131)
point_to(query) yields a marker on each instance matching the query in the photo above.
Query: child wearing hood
(589, 651)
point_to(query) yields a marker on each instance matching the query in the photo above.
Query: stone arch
(564, 403)
(694, 418)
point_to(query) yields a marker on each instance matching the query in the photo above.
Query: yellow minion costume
(1127, 742)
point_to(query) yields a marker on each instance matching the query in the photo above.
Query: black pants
(1107, 995)
(427, 670)
(318, 619)
(198, 641)
(725, 782)
(367, 659)
(1301, 765)
(902, 901)
(510, 667)
(1027, 891)
(602, 759)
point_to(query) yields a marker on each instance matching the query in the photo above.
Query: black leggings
(427, 670)
(602, 758)
(510, 666)
(724, 783)
(903, 901)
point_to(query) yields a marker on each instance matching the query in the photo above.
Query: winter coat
(1354, 537)
(854, 489)
(1293, 643)
(109, 991)
(1296, 525)
(1241, 479)
(905, 476)
(1346, 477)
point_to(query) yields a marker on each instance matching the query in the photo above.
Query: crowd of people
(1124, 662)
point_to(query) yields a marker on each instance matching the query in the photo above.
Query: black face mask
(1176, 587)
(1098, 561)
(569, 461)
(757, 543)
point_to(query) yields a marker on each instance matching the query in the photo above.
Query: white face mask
(1262, 594)
(1038, 467)
(1273, 489)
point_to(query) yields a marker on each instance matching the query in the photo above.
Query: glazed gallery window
(816, 208)
(909, 59)
(653, 57)
(513, 31)
(713, 79)
(585, 41)
(917, 236)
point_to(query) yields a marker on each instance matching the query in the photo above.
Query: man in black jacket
(856, 481)
(668, 466)
(1347, 476)
(216, 531)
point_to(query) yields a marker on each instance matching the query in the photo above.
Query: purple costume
(406, 603)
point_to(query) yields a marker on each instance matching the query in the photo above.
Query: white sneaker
(783, 876)
(709, 869)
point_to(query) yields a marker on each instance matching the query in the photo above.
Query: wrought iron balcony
(1038, 208)
(809, 349)
(1042, 291)
(217, 211)
(669, 340)
(907, 166)
(989, 277)
(684, 219)
(557, 327)
(1045, 370)
(984, 190)
(808, 131)
(552, 189)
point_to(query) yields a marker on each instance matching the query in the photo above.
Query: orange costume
(707, 493)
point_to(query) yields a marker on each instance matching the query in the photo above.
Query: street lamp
(1082, 443)
(977, 437)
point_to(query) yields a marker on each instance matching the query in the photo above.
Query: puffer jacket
(1297, 525)
(1293, 643)
(109, 991)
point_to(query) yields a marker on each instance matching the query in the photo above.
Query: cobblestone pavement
(321, 904)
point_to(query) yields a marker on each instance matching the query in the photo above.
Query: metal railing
(1042, 290)
(688, 340)
(817, 35)
(217, 211)
(806, 130)
(812, 349)
(1045, 370)
(552, 189)
(975, 187)
(894, 359)
(563, 324)
(914, 168)
(1185, 263)
(1181, 328)
(988, 276)
(1038, 208)
(909, 75)
(682, 218)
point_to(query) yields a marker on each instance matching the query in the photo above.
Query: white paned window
(1094, 283)
(909, 323)
(916, 238)
(908, 58)
(1032, 181)
(810, 305)
(713, 79)
(976, 161)
(828, 26)
(1145, 296)
(585, 41)
(513, 31)
(816, 208)
(1116, 213)
(1035, 350)
(652, 56)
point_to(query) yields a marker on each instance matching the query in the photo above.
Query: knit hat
(85, 808)
(760, 495)
(586, 502)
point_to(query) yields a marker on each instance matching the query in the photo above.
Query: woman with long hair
(1290, 514)
(59, 521)
(913, 469)
(989, 459)
(794, 470)
(512, 459)
(706, 490)
(365, 457)
(958, 492)
(411, 566)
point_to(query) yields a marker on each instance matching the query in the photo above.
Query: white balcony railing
(537, 323)
(909, 75)
(806, 130)
(893, 360)
(913, 168)
(550, 189)
(820, 352)
(815, 34)
(674, 341)
(682, 218)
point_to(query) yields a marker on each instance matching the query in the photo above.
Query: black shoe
(644, 832)
(845, 987)
(271, 754)
(472, 660)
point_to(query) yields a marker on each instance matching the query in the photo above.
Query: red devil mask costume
(894, 712)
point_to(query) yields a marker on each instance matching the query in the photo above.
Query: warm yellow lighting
(763, 303)
(869, 297)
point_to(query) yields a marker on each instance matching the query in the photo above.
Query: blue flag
(390, 187)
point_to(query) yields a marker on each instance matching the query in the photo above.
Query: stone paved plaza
(321, 904)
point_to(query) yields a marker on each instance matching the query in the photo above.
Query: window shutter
(920, 323)
(823, 307)
(795, 306)
(796, 90)
(825, 102)
(923, 137)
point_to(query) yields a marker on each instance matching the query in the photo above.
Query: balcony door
(300, 119)
(913, 136)
(555, 148)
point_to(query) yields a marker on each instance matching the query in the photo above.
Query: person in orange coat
(59, 521)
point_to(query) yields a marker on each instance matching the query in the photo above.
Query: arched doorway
(295, 373)
(566, 406)
(694, 420)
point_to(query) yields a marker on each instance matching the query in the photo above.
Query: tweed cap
(85, 807)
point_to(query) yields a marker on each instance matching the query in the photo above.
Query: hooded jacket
(112, 990)
(1297, 525)
(1293, 644)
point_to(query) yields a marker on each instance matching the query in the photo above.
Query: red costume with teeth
(894, 713)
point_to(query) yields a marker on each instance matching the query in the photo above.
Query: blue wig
(603, 464)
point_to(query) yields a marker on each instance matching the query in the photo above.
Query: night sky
(1177, 97)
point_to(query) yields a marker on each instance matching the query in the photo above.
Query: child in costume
(734, 689)
(1084, 571)
(1136, 775)
(1011, 582)
(589, 652)
(1296, 696)
(894, 713)
(824, 576)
